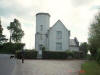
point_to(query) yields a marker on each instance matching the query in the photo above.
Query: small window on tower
(41, 27)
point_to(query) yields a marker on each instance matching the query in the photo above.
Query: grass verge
(91, 68)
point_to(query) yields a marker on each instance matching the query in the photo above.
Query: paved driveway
(38, 67)
(7, 65)
(48, 67)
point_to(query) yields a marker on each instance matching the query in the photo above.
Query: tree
(2, 37)
(98, 56)
(84, 48)
(16, 33)
(12, 47)
(94, 35)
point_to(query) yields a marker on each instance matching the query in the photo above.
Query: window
(58, 46)
(40, 47)
(59, 35)
(41, 27)
(41, 37)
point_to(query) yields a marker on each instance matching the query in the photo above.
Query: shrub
(11, 47)
(60, 55)
(28, 54)
(53, 55)
(77, 55)
(43, 49)
(98, 56)
(18, 54)
(69, 53)
(73, 54)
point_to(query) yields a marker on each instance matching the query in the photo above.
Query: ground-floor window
(58, 46)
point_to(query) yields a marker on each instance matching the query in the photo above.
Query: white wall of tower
(42, 19)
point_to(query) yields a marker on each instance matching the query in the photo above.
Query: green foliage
(54, 55)
(43, 48)
(15, 31)
(61, 55)
(1, 29)
(94, 36)
(98, 56)
(2, 37)
(91, 68)
(11, 47)
(93, 50)
(84, 48)
(73, 54)
(70, 53)
(28, 54)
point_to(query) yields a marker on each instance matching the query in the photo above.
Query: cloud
(81, 2)
(95, 7)
(29, 37)
(75, 14)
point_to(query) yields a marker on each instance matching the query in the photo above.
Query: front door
(40, 51)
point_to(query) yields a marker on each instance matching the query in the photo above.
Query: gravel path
(48, 67)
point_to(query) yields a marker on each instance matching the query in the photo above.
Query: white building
(56, 38)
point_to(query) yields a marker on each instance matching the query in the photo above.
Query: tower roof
(43, 14)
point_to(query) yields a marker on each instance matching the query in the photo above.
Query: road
(7, 65)
(48, 67)
(39, 67)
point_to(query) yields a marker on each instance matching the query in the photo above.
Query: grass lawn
(91, 68)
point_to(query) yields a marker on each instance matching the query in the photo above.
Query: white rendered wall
(74, 48)
(52, 37)
(40, 40)
(40, 37)
(42, 19)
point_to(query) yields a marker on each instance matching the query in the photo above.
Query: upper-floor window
(58, 34)
(41, 27)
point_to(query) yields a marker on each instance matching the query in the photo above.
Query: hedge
(53, 55)
(61, 55)
(74, 54)
(29, 54)
(11, 47)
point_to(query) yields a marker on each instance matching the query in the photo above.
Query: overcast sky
(76, 15)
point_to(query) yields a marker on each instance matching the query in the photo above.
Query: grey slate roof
(59, 21)
(43, 14)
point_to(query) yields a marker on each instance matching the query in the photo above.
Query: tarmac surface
(38, 67)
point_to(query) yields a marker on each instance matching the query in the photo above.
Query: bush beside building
(28, 54)
(11, 48)
(61, 55)
(32, 54)
(53, 55)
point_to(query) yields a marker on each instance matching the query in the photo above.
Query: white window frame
(59, 34)
(58, 46)
(41, 27)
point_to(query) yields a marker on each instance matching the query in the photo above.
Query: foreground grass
(91, 68)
